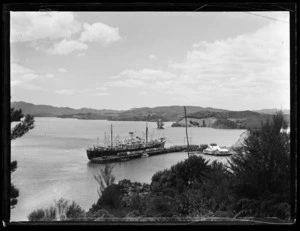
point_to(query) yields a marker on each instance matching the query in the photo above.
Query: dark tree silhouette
(261, 170)
(23, 126)
(18, 131)
(104, 177)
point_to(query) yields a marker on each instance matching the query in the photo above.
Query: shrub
(161, 206)
(75, 212)
(60, 211)
(104, 177)
(191, 170)
(183, 174)
(162, 180)
(36, 215)
(217, 189)
(111, 197)
(261, 169)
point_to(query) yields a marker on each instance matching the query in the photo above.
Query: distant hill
(197, 116)
(224, 120)
(166, 113)
(272, 111)
(50, 111)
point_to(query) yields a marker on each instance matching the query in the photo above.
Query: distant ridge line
(264, 110)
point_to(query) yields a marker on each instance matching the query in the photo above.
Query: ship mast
(187, 138)
(146, 133)
(111, 136)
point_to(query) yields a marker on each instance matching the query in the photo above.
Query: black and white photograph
(146, 117)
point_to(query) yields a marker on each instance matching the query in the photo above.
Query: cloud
(22, 76)
(100, 91)
(127, 83)
(80, 54)
(249, 65)
(102, 94)
(32, 26)
(99, 32)
(65, 47)
(267, 47)
(49, 76)
(142, 93)
(152, 57)
(59, 33)
(223, 73)
(62, 70)
(138, 78)
(101, 88)
(65, 92)
(29, 86)
(19, 69)
(144, 74)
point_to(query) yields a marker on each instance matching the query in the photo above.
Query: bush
(162, 180)
(217, 189)
(95, 215)
(194, 169)
(75, 212)
(181, 175)
(36, 215)
(111, 198)
(224, 123)
(161, 206)
(104, 177)
(138, 205)
(61, 211)
(261, 169)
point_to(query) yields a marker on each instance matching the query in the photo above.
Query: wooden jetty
(138, 154)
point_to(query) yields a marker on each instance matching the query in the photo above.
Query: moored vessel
(214, 149)
(130, 148)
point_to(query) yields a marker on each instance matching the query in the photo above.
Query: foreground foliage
(104, 177)
(24, 125)
(62, 210)
(261, 171)
(255, 183)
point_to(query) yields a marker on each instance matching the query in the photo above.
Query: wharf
(128, 156)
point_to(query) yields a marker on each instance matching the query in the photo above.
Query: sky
(123, 60)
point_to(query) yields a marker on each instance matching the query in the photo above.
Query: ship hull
(91, 154)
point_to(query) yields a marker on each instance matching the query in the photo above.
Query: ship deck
(157, 151)
(152, 152)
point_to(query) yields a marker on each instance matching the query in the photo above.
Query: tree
(18, 131)
(104, 177)
(23, 126)
(184, 174)
(14, 192)
(61, 210)
(261, 170)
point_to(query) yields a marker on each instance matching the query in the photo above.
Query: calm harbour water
(52, 161)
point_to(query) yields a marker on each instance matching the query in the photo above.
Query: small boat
(145, 155)
(214, 149)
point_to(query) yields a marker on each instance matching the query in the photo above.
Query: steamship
(134, 144)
